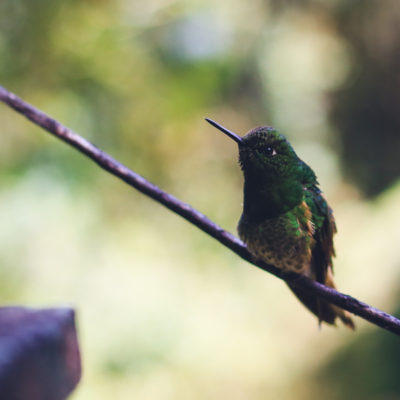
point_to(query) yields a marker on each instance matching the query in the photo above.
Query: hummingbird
(286, 220)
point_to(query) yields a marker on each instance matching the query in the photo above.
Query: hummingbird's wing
(321, 259)
(322, 253)
(324, 229)
(323, 223)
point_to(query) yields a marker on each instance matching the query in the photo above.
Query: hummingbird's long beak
(227, 132)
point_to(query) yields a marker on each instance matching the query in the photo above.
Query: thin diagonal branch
(371, 314)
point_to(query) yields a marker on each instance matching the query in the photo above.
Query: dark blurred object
(39, 354)
(366, 110)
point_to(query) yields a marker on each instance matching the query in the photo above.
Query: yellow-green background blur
(164, 311)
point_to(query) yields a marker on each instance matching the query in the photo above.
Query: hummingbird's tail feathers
(345, 318)
(318, 307)
(324, 311)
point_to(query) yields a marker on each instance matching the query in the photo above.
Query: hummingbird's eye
(269, 151)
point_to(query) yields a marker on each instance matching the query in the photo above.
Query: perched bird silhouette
(286, 220)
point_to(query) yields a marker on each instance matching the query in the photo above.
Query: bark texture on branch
(133, 179)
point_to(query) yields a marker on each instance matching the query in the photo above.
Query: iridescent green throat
(263, 198)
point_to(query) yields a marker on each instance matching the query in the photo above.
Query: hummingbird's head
(274, 176)
(264, 151)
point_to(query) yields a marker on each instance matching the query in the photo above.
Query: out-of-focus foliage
(164, 311)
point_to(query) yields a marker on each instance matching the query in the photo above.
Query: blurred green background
(164, 311)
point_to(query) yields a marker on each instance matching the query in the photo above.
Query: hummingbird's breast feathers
(285, 241)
